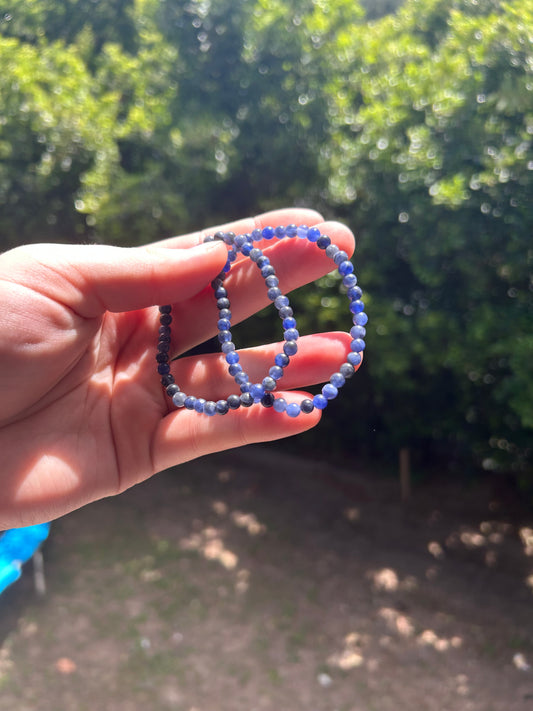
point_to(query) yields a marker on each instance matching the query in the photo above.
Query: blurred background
(126, 121)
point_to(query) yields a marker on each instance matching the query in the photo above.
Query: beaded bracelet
(251, 393)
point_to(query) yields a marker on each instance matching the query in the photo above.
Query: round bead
(262, 392)
(329, 391)
(307, 406)
(179, 399)
(280, 404)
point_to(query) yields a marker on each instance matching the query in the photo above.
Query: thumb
(92, 279)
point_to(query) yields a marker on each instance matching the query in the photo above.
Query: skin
(82, 412)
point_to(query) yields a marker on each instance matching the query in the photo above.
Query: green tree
(431, 158)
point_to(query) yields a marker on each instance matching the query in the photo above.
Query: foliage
(128, 120)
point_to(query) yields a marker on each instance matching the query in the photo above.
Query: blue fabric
(16, 547)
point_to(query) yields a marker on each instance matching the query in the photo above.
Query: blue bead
(245, 387)
(360, 319)
(232, 357)
(271, 281)
(257, 391)
(345, 268)
(172, 389)
(289, 322)
(354, 293)
(332, 250)
(246, 249)
(356, 307)
(246, 400)
(210, 408)
(293, 409)
(224, 336)
(234, 402)
(241, 378)
(276, 372)
(263, 262)
(347, 370)
(307, 406)
(337, 380)
(280, 404)
(179, 399)
(313, 233)
(227, 347)
(256, 235)
(234, 369)
(329, 391)
(189, 402)
(358, 332)
(223, 324)
(268, 232)
(232, 255)
(340, 256)
(255, 254)
(280, 302)
(302, 231)
(222, 407)
(199, 404)
(323, 242)
(285, 312)
(291, 334)
(229, 237)
(290, 348)
(223, 303)
(269, 383)
(280, 231)
(357, 345)
(349, 280)
(240, 241)
(320, 402)
(354, 358)
(225, 313)
(220, 292)
(267, 270)
(227, 266)
(163, 368)
(274, 293)
(291, 230)
(282, 360)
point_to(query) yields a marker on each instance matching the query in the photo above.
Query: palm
(83, 414)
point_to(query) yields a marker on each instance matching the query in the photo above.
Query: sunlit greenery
(129, 120)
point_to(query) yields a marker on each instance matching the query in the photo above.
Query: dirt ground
(259, 581)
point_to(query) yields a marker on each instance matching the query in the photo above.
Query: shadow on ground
(261, 581)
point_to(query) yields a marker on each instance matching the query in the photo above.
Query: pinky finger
(184, 434)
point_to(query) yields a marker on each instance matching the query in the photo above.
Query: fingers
(297, 262)
(184, 435)
(319, 355)
(92, 279)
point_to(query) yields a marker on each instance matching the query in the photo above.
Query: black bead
(161, 357)
(165, 319)
(166, 309)
(247, 400)
(267, 400)
(234, 402)
(164, 332)
(167, 380)
(163, 346)
(163, 368)
(307, 406)
(172, 389)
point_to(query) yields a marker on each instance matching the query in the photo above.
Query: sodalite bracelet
(263, 392)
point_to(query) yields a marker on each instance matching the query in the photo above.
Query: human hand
(83, 414)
